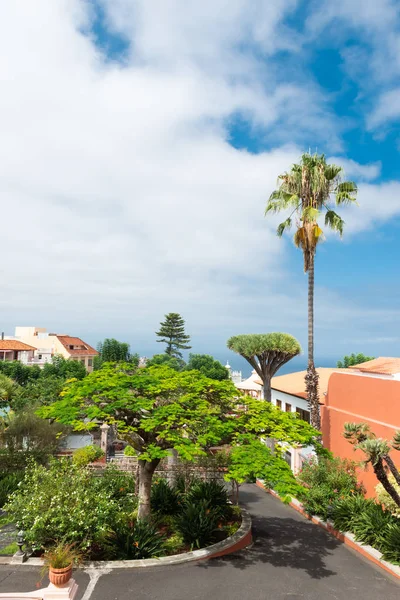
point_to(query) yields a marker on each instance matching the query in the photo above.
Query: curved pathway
(291, 559)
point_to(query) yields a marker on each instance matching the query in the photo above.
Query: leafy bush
(63, 502)
(129, 451)
(370, 526)
(16, 461)
(164, 499)
(174, 543)
(391, 545)
(385, 498)
(346, 510)
(197, 523)
(83, 456)
(8, 484)
(138, 540)
(325, 480)
(213, 494)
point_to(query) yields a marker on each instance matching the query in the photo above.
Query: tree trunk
(267, 387)
(311, 378)
(146, 472)
(393, 468)
(383, 478)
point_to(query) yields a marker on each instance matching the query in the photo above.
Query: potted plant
(59, 561)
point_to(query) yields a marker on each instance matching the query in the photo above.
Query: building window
(83, 361)
(90, 362)
(303, 414)
(40, 357)
(288, 408)
(279, 404)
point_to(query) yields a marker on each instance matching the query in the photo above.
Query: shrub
(164, 499)
(325, 480)
(8, 484)
(174, 543)
(370, 526)
(213, 494)
(119, 486)
(16, 461)
(345, 511)
(391, 545)
(129, 451)
(62, 502)
(138, 540)
(386, 499)
(197, 523)
(83, 456)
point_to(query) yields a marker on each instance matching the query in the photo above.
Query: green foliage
(346, 510)
(63, 502)
(18, 372)
(60, 556)
(385, 499)
(113, 351)
(7, 390)
(166, 360)
(129, 451)
(211, 493)
(172, 333)
(325, 481)
(353, 359)
(43, 390)
(8, 484)
(197, 523)
(164, 499)
(138, 540)
(27, 431)
(208, 366)
(174, 543)
(88, 454)
(369, 527)
(391, 544)
(17, 460)
(63, 368)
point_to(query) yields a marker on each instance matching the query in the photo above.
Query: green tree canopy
(208, 366)
(353, 359)
(8, 390)
(111, 350)
(156, 409)
(63, 368)
(167, 360)
(18, 372)
(35, 393)
(266, 352)
(172, 333)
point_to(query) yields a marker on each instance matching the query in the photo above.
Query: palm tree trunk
(311, 378)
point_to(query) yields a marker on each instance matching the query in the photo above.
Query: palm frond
(280, 200)
(332, 172)
(310, 214)
(283, 226)
(334, 221)
(346, 192)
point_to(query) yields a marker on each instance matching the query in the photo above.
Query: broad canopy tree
(266, 352)
(305, 191)
(208, 366)
(156, 409)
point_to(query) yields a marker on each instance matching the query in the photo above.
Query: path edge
(347, 538)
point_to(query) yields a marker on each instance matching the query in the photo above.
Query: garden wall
(359, 398)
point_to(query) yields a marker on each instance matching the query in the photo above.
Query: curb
(239, 540)
(347, 538)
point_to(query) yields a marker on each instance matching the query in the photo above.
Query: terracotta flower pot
(59, 577)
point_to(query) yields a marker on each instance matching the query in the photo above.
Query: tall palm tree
(305, 192)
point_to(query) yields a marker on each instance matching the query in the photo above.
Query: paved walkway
(291, 559)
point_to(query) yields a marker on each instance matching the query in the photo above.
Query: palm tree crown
(306, 190)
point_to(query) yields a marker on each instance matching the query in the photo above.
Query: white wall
(294, 401)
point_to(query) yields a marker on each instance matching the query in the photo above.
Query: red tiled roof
(381, 366)
(14, 345)
(84, 350)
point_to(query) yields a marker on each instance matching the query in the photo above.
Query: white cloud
(387, 109)
(122, 198)
(357, 171)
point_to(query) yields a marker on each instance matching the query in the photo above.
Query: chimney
(2, 335)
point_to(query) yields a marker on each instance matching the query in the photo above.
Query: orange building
(367, 393)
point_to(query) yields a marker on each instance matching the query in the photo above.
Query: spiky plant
(305, 192)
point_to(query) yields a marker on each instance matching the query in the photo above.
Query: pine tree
(172, 333)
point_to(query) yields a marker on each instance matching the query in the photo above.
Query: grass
(9, 550)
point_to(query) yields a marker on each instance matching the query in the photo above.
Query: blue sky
(141, 140)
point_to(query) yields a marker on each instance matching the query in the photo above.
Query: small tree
(66, 369)
(172, 333)
(112, 350)
(353, 359)
(207, 365)
(377, 452)
(266, 352)
(167, 361)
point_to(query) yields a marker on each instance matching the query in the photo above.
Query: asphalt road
(291, 559)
